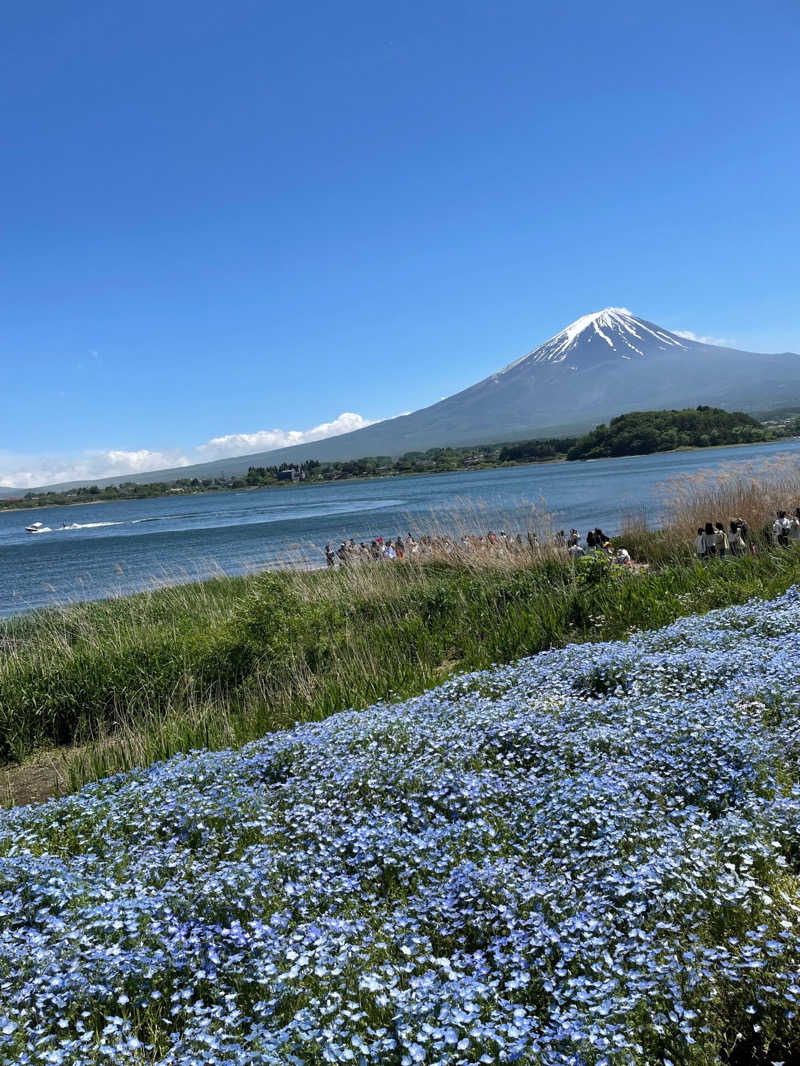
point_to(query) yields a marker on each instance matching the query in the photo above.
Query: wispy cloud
(691, 336)
(30, 471)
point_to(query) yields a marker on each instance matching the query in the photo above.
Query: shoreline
(399, 474)
(291, 485)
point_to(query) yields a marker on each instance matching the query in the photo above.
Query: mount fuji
(603, 364)
(609, 362)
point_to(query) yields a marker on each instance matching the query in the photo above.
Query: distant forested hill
(643, 432)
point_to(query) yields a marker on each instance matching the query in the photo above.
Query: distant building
(291, 474)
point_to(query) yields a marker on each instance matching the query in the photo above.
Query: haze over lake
(99, 550)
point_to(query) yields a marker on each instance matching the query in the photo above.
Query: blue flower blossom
(586, 857)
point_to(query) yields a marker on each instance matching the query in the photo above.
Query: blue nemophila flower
(586, 857)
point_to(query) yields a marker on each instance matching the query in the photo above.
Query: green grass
(129, 681)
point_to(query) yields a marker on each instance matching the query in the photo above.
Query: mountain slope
(610, 362)
(601, 365)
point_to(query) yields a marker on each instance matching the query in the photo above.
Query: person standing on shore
(700, 544)
(780, 530)
(776, 530)
(735, 539)
(330, 556)
(722, 539)
(710, 540)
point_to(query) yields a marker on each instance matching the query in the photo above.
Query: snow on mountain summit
(615, 327)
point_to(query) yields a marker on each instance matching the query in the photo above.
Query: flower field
(589, 857)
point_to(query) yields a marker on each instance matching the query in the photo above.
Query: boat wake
(91, 525)
(226, 517)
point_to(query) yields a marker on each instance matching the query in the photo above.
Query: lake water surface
(97, 550)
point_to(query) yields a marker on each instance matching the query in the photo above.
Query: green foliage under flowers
(593, 569)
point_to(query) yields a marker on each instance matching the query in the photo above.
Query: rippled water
(97, 550)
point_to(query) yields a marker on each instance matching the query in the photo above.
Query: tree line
(431, 461)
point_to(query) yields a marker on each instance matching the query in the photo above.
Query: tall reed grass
(752, 491)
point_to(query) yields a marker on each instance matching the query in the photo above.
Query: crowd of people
(714, 539)
(596, 541)
(786, 529)
(390, 549)
(352, 552)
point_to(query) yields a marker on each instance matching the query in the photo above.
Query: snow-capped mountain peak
(612, 329)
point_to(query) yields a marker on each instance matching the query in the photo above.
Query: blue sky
(226, 219)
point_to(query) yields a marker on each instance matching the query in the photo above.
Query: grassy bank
(129, 681)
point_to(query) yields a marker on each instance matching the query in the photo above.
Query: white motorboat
(35, 527)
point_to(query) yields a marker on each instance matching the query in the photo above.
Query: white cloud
(264, 440)
(30, 471)
(143, 459)
(690, 336)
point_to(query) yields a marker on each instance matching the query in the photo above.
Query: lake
(93, 551)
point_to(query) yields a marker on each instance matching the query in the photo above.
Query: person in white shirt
(700, 544)
(780, 530)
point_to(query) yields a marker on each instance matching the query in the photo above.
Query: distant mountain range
(601, 365)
